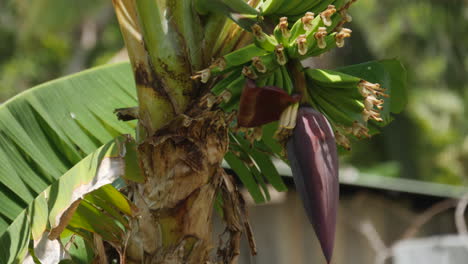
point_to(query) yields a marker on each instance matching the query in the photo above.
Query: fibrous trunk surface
(181, 163)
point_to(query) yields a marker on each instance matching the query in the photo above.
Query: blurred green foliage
(44, 39)
(430, 139)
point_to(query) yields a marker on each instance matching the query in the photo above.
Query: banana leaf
(56, 145)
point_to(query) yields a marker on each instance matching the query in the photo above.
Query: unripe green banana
(263, 40)
(299, 48)
(329, 43)
(329, 78)
(322, 6)
(235, 88)
(299, 29)
(345, 103)
(220, 86)
(262, 81)
(288, 85)
(305, 6)
(237, 58)
(352, 92)
(282, 32)
(243, 55)
(269, 7)
(335, 113)
(271, 80)
(265, 64)
(352, 105)
(290, 7)
(312, 44)
(278, 78)
(339, 3)
(312, 26)
(302, 44)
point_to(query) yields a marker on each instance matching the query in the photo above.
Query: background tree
(432, 130)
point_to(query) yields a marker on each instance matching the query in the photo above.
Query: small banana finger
(333, 79)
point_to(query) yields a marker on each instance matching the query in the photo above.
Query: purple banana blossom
(314, 163)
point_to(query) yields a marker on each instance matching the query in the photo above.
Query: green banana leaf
(53, 140)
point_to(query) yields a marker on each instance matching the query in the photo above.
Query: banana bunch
(348, 102)
(265, 59)
(266, 63)
(316, 109)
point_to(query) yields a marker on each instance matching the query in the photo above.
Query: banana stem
(300, 85)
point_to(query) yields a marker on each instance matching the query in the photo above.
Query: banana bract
(262, 105)
(314, 164)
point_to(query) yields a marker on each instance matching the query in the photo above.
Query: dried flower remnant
(346, 16)
(358, 130)
(257, 31)
(370, 92)
(203, 75)
(320, 37)
(371, 101)
(342, 140)
(280, 55)
(283, 26)
(307, 21)
(371, 114)
(326, 15)
(257, 133)
(258, 64)
(366, 88)
(254, 134)
(225, 96)
(249, 73)
(339, 38)
(302, 44)
(219, 63)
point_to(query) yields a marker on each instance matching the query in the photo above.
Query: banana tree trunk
(181, 163)
(181, 141)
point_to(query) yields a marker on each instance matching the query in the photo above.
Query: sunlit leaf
(49, 140)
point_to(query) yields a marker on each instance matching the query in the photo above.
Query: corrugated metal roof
(352, 176)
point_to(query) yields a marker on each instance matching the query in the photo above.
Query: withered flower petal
(262, 105)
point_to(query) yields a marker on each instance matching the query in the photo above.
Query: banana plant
(102, 167)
